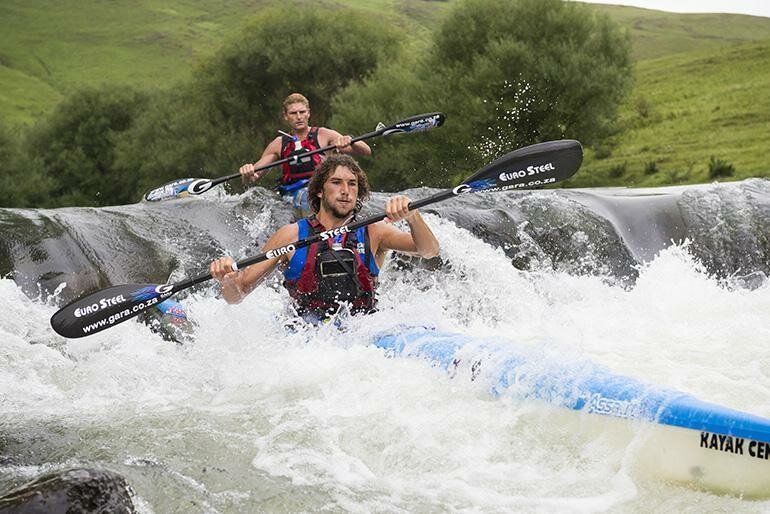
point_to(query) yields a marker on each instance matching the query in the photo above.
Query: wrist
(231, 284)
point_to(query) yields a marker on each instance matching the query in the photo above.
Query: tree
(507, 73)
(232, 108)
(23, 182)
(75, 147)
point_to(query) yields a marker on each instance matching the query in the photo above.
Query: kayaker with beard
(301, 139)
(342, 270)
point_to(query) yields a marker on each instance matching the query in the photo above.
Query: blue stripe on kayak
(582, 385)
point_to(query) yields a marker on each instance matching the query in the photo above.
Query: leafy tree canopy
(507, 73)
(75, 147)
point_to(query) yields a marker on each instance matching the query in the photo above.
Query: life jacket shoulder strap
(349, 239)
(312, 135)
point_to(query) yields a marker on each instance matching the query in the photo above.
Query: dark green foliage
(75, 147)
(617, 171)
(393, 93)
(9, 167)
(603, 150)
(643, 107)
(315, 52)
(719, 168)
(174, 138)
(233, 107)
(651, 168)
(507, 73)
(22, 180)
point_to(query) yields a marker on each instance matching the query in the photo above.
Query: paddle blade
(529, 167)
(178, 189)
(106, 308)
(419, 123)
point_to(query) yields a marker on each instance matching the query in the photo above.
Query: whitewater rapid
(245, 416)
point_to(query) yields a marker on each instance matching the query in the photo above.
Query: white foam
(320, 417)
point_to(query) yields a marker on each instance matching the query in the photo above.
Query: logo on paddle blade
(418, 125)
(164, 288)
(103, 303)
(477, 185)
(507, 176)
(176, 188)
(280, 251)
(199, 186)
(148, 292)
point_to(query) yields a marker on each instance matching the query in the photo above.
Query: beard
(334, 211)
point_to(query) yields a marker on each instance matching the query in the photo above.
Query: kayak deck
(690, 441)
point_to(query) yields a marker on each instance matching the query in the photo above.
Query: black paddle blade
(178, 189)
(106, 308)
(529, 167)
(419, 123)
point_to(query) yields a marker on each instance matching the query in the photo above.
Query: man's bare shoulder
(286, 234)
(275, 144)
(325, 135)
(281, 238)
(380, 229)
(271, 153)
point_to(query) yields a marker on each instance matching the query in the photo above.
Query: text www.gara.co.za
(114, 318)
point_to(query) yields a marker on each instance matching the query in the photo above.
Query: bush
(680, 176)
(23, 182)
(643, 107)
(651, 168)
(617, 171)
(719, 168)
(76, 147)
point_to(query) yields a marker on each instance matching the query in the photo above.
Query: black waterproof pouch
(336, 274)
(300, 163)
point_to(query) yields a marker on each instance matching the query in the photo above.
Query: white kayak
(690, 441)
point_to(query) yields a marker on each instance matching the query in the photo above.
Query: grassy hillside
(54, 47)
(49, 48)
(658, 34)
(684, 109)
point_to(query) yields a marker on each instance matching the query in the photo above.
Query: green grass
(49, 48)
(657, 34)
(24, 98)
(67, 45)
(685, 109)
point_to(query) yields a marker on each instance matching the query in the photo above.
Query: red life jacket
(319, 283)
(299, 168)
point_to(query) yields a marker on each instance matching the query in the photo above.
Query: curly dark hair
(327, 167)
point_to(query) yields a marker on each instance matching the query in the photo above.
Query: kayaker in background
(344, 269)
(301, 139)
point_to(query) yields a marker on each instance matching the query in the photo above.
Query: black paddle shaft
(530, 167)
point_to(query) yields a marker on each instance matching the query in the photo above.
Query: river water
(666, 285)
